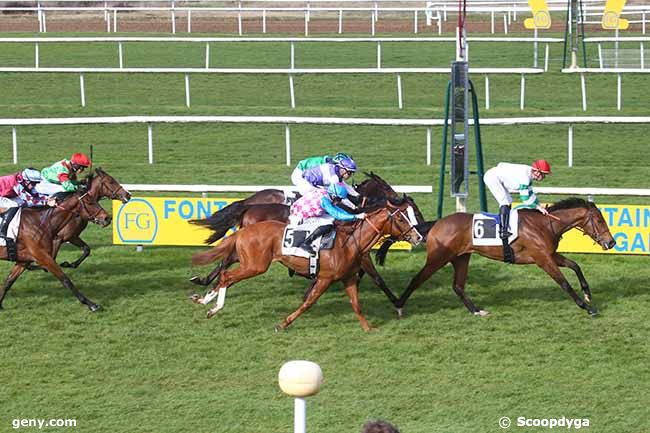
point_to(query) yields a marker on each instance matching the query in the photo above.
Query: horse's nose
(107, 221)
(611, 244)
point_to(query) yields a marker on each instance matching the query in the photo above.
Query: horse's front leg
(352, 289)
(85, 252)
(369, 268)
(50, 264)
(563, 261)
(230, 260)
(320, 286)
(550, 267)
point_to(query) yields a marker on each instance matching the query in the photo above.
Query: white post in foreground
(150, 142)
(570, 157)
(14, 144)
(523, 91)
(399, 92)
(429, 145)
(287, 144)
(300, 379)
(187, 90)
(487, 92)
(36, 61)
(83, 91)
(584, 92)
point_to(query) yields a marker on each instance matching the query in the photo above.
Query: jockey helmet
(347, 164)
(337, 190)
(31, 175)
(339, 156)
(542, 165)
(80, 159)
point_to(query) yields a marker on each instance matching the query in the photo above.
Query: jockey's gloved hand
(361, 216)
(51, 202)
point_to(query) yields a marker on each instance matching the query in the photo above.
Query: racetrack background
(151, 362)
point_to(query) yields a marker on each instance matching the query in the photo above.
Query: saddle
(485, 228)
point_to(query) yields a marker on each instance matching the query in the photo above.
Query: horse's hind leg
(563, 261)
(552, 269)
(461, 268)
(16, 271)
(48, 263)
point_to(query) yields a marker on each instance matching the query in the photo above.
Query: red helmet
(542, 165)
(81, 159)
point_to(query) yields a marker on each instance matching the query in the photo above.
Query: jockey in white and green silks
(506, 177)
(304, 186)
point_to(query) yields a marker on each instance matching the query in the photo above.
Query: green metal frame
(581, 35)
(479, 150)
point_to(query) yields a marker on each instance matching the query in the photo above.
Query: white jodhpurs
(6, 203)
(301, 184)
(46, 188)
(498, 190)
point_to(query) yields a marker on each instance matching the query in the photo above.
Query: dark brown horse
(450, 240)
(38, 230)
(258, 245)
(243, 215)
(100, 185)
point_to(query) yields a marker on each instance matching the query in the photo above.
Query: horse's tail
(222, 220)
(382, 252)
(215, 253)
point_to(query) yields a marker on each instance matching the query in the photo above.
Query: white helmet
(31, 175)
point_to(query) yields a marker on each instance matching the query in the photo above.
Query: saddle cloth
(295, 235)
(485, 229)
(12, 230)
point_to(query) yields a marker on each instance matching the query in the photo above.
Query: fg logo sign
(137, 222)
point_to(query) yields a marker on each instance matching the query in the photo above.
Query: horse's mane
(570, 203)
(372, 177)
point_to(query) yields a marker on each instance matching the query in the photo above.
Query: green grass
(151, 362)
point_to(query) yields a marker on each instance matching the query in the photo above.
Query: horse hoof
(593, 312)
(588, 299)
(279, 328)
(482, 313)
(400, 312)
(196, 298)
(65, 265)
(197, 280)
(94, 307)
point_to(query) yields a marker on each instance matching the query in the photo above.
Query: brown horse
(258, 245)
(100, 185)
(38, 230)
(450, 240)
(242, 214)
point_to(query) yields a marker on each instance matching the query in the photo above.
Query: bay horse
(100, 185)
(258, 245)
(242, 215)
(450, 240)
(38, 230)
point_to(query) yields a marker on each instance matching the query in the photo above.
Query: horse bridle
(390, 218)
(93, 217)
(113, 191)
(598, 235)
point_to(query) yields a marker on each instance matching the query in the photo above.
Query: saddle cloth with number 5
(485, 229)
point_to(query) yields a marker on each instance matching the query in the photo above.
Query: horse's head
(86, 207)
(595, 226)
(397, 219)
(375, 186)
(103, 185)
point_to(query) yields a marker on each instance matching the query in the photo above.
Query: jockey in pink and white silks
(506, 177)
(318, 206)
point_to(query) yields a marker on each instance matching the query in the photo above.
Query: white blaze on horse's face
(411, 213)
(412, 222)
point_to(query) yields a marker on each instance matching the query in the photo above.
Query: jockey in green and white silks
(506, 177)
(62, 175)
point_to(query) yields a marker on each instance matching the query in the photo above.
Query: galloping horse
(258, 245)
(38, 230)
(450, 240)
(239, 213)
(100, 185)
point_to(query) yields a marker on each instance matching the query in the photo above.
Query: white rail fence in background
(291, 72)
(287, 121)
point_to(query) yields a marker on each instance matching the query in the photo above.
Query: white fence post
(600, 55)
(415, 21)
(150, 142)
(287, 144)
(429, 145)
(583, 87)
(14, 144)
(399, 91)
(372, 20)
(378, 55)
(83, 91)
(114, 20)
(570, 150)
(643, 22)
(36, 56)
(120, 51)
(505, 24)
(189, 21)
(291, 91)
(207, 55)
(487, 92)
(546, 59)
(187, 90)
(642, 56)
(340, 21)
(293, 57)
(264, 21)
(535, 48)
(306, 22)
(618, 92)
(239, 23)
(523, 91)
(173, 18)
(492, 22)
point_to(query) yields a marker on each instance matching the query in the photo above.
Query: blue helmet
(339, 156)
(31, 175)
(348, 164)
(337, 190)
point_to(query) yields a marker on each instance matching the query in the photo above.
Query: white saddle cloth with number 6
(485, 229)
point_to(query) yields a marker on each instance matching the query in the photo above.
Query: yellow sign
(541, 17)
(165, 221)
(611, 16)
(629, 225)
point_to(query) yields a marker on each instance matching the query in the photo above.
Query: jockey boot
(504, 215)
(10, 243)
(320, 231)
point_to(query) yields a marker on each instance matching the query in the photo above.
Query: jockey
(335, 172)
(319, 203)
(62, 175)
(297, 178)
(18, 190)
(507, 177)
